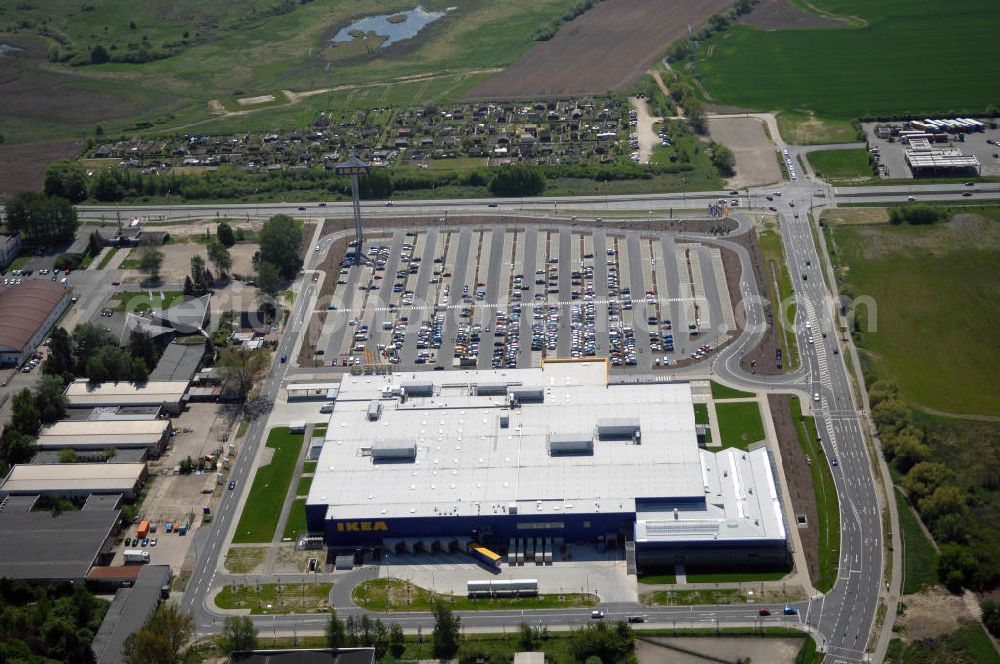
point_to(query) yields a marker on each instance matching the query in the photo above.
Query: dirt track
(608, 48)
(780, 15)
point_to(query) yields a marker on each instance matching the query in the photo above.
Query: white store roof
(466, 464)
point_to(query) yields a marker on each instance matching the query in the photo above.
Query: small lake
(9, 48)
(396, 30)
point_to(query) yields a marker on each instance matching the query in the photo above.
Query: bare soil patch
(22, 165)
(607, 48)
(177, 261)
(699, 650)
(933, 612)
(781, 15)
(754, 152)
(799, 479)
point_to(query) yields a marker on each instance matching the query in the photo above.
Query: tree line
(228, 182)
(945, 500)
(48, 623)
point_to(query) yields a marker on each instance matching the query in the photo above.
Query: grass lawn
(855, 215)
(309, 466)
(739, 423)
(701, 413)
(273, 598)
(107, 258)
(807, 129)
(933, 293)
(304, 484)
(720, 391)
(865, 69)
(296, 523)
(841, 164)
(139, 301)
(399, 595)
(919, 557)
(243, 560)
(736, 577)
(262, 509)
(779, 291)
(656, 579)
(19, 263)
(827, 507)
(968, 644)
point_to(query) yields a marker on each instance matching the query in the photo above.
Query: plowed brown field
(607, 48)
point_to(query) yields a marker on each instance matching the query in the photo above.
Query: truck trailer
(136, 556)
(143, 529)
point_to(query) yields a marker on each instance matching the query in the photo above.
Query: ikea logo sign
(360, 526)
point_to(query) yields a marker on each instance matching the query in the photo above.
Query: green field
(399, 595)
(847, 72)
(656, 579)
(739, 423)
(226, 51)
(720, 391)
(827, 507)
(969, 644)
(919, 557)
(935, 306)
(296, 523)
(807, 129)
(262, 510)
(841, 164)
(779, 291)
(273, 598)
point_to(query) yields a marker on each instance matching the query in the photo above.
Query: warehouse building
(97, 435)
(27, 313)
(74, 480)
(557, 454)
(129, 610)
(168, 394)
(40, 546)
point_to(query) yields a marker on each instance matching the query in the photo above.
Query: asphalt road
(842, 619)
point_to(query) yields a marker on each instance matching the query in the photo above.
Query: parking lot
(985, 146)
(509, 296)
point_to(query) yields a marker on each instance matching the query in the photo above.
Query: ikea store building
(549, 455)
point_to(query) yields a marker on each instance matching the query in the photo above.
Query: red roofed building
(27, 313)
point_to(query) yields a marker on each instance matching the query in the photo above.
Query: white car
(816, 397)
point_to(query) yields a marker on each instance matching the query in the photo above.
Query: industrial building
(74, 480)
(179, 361)
(923, 161)
(27, 313)
(10, 246)
(168, 394)
(535, 458)
(41, 546)
(91, 435)
(129, 610)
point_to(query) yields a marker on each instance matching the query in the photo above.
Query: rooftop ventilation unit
(489, 389)
(527, 394)
(419, 389)
(392, 451)
(617, 427)
(561, 444)
(374, 410)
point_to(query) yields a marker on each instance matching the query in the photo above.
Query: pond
(395, 27)
(9, 48)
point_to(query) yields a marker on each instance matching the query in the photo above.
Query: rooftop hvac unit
(570, 443)
(419, 389)
(504, 419)
(617, 427)
(393, 451)
(527, 394)
(489, 389)
(374, 410)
